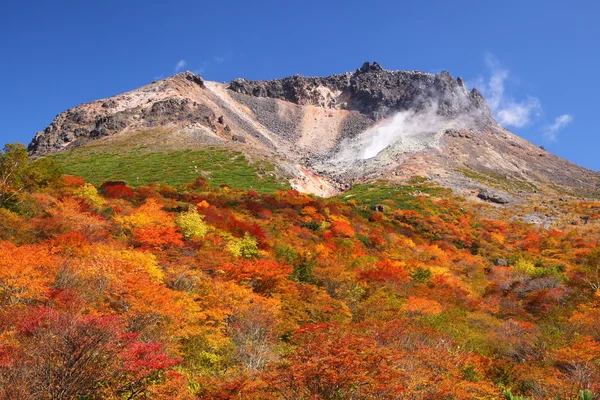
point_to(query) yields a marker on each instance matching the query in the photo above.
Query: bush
(245, 247)
(90, 194)
(191, 223)
(420, 275)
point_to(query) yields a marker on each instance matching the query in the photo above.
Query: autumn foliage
(155, 292)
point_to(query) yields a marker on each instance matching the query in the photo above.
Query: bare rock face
(153, 105)
(374, 92)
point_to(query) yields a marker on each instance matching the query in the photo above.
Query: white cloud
(218, 59)
(551, 131)
(518, 114)
(180, 65)
(508, 111)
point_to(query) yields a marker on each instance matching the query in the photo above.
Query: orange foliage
(262, 275)
(442, 301)
(157, 237)
(342, 229)
(418, 305)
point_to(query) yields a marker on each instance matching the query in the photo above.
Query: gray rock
(492, 197)
(238, 138)
(378, 208)
(501, 262)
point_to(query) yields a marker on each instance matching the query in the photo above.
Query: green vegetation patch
(404, 197)
(136, 167)
(499, 181)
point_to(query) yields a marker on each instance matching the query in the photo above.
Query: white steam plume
(409, 130)
(404, 132)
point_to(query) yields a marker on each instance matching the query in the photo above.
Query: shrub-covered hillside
(197, 292)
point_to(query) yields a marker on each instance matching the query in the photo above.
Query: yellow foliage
(143, 261)
(439, 270)
(203, 204)
(524, 267)
(90, 194)
(149, 214)
(245, 247)
(322, 250)
(308, 211)
(191, 223)
(497, 238)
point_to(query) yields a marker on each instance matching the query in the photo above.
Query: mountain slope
(326, 133)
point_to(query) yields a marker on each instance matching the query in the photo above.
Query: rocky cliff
(374, 92)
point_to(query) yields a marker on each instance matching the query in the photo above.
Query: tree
(592, 267)
(13, 164)
(18, 174)
(66, 355)
(331, 364)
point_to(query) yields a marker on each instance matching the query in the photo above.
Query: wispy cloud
(213, 61)
(551, 131)
(180, 65)
(508, 111)
(199, 67)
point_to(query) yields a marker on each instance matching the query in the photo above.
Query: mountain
(169, 264)
(326, 133)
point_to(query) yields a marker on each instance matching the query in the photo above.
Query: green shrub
(420, 275)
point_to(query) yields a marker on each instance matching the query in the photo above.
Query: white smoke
(405, 132)
(409, 130)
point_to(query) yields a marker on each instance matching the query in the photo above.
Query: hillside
(325, 134)
(386, 292)
(369, 235)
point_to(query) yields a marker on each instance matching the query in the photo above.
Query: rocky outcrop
(154, 105)
(375, 92)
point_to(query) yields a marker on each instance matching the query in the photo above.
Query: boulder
(492, 197)
(501, 262)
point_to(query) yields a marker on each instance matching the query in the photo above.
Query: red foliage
(71, 243)
(142, 359)
(376, 217)
(73, 181)
(117, 190)
(67, 353)
(386, 271)
(240, 227)
(329, 364)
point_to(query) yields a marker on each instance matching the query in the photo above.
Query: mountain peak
(376, 92)
(327, 132)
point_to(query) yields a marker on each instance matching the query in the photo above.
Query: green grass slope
(137, 167)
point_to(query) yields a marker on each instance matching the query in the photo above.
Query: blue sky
(536, 61)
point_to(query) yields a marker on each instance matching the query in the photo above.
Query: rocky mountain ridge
(329, 132)
(373, 91)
